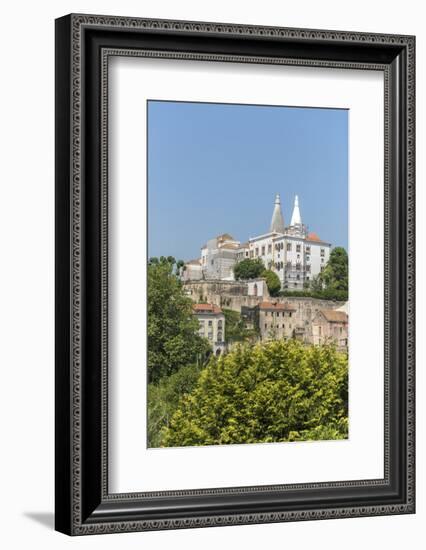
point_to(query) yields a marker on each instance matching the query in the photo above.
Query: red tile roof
(333, 316)
(277, 306)
(206, 308)
(313, 237)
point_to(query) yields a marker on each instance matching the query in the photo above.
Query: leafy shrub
(270, 392)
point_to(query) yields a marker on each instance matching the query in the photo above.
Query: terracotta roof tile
(206, 308)
(333, 316)
(313, 237)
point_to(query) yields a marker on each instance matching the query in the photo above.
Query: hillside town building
(275, 320)
(212, 325)
(330, 326)
(292, 252)
(310, 320)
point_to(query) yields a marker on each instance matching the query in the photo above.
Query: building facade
(218, 257)
(292, 252)
(275, 320)
(330, 326)
(212, 325)
(192, 271)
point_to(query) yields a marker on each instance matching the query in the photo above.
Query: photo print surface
(247, 276)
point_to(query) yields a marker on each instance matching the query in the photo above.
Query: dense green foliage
(173, 340)
(235, 328)
(336, 272)
(272, 281)
(164, 397)
(278, 391)
(249, 269)
(325, 294)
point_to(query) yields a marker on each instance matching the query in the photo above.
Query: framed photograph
(234, 274)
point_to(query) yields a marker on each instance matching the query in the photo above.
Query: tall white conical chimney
(277, 222)
(296, 218)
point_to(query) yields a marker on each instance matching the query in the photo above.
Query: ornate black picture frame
(83, 45)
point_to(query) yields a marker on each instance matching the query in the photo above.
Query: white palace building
(292, 252)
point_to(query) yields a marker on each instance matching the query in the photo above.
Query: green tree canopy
(279, 391)
(272, 281)
(336, 273)
(235, 328)
(164, 398)
(249, 269)
(173, 339)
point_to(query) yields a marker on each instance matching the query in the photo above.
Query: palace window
(269, 248)
(308, 250)
(288, 247)
(219, 336)
(210, 336)
(210, 323)
(251, 253)
(263, 250)
(322, 253)
(219, 325)
(257, 252)
(308, 268)
(297, 247)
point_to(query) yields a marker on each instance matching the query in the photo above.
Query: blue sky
(216, 168)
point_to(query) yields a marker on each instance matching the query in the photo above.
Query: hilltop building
(212, 325)
(294, 253)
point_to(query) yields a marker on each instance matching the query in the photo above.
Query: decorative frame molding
(84, 44)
